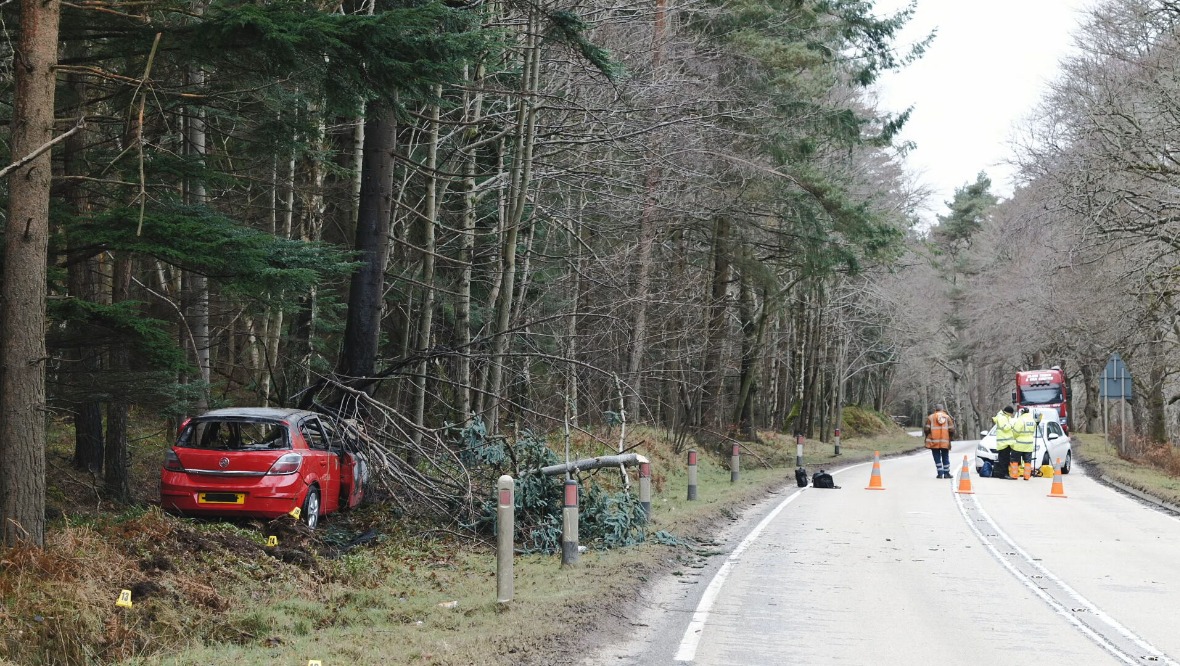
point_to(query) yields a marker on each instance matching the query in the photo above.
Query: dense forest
(531, 216)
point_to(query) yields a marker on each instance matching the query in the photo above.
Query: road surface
(919, 573)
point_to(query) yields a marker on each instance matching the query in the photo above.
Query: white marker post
(569, 524)
(645, 488)
(735, 463)
(505, 503)
(837, 441)
(692, 474)
(799, 450)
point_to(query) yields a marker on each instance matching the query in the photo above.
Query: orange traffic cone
(1058, 489)
(875, 479)
(965, 479)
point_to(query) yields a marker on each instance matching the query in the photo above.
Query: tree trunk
(275, 315)
(84, 285)
(465, 379)
(647, 235)
(522, 171)
(578, 296)
(712, 373)
(1156, 417)
(426, 318)
(1090, 414)
(198, 313)
(641, 294)
(311, 228)
(362, 329)
(744, 412)
(23, 291)
(117, 459)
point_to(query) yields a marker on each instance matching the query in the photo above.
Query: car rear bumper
(266, 497)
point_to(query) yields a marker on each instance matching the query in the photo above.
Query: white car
(1050, 444)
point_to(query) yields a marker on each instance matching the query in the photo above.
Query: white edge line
(1061, 610)
(692, 635)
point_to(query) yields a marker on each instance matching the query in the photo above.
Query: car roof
(270, 413)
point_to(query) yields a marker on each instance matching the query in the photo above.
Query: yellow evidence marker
(272, 541)
(124, 599)
(294, 513)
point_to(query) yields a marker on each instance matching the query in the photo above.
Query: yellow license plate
(221, 498)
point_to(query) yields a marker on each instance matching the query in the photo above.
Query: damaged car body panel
(263, 462)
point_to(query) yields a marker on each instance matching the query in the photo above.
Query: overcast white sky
(985, 71)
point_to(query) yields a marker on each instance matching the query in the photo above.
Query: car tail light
(288, 464)
(172, 461)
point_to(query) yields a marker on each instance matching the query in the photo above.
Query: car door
(1057, 440)
(324, 462)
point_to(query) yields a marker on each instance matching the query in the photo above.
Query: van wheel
(1068, 462)
(311, 508)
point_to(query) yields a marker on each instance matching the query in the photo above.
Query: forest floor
(367, 588)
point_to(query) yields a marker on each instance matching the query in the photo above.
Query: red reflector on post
(645, 470)
(737, 449)
(692, 457)
(571, 493)
(505, 497)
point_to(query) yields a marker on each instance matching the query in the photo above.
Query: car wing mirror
(983, 433)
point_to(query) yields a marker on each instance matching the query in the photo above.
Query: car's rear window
(234, 435)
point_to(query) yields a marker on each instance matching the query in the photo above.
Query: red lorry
(1043, 388)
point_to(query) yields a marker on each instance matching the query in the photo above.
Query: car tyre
(311, 508)
(1068, 462)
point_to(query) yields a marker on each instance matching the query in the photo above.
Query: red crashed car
(263, 462)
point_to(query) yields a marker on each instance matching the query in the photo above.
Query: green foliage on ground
(865, 422)
(606, 518)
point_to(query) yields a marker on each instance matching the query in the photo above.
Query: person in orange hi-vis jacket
(940, 430)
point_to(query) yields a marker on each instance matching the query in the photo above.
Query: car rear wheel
(311, 508)
(1068, 462)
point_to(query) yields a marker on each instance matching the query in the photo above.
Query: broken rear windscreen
(234, 435)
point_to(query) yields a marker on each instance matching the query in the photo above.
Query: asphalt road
(918, 573)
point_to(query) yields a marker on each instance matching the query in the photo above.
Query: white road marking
(692, 635)
(1069, 615)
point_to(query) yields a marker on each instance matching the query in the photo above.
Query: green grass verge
(1103, 460)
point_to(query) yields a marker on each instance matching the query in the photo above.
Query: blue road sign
(1115, 382)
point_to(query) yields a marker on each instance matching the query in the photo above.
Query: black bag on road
(823, 480)
(801, 477)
